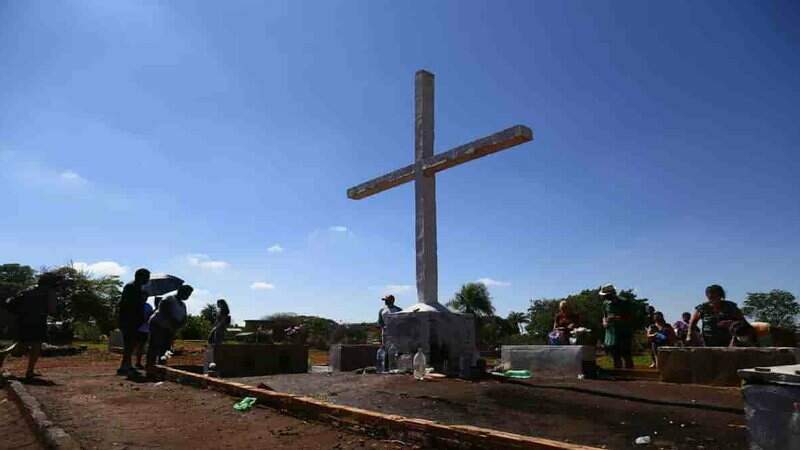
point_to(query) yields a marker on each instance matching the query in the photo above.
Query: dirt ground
(545, 410)
(100, 410)
(15, 431)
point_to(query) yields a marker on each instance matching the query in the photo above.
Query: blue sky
(216, 141)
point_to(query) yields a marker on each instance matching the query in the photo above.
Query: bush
(196, 328)
(87, 331)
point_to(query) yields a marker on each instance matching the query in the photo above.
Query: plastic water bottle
(380, 362)
(419, 364)
(391, 357)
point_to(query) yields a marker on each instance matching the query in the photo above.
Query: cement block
(115, 341)
(445, 337)
(550, 361)
(718, 366)
(249, 360)
(349, 357)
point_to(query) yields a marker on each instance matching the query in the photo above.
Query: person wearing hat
(617, 320)
(388, 308)
(32, 306)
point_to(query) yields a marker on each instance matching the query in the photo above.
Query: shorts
(32, 333)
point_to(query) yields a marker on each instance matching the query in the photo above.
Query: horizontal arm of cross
(484, 146)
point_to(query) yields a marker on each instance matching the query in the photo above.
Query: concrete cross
(423, 172)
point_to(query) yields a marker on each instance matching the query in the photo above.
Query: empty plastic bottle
(380, 360)
(391, 357)
(419, 364)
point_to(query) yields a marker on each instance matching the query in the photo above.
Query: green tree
(209, 313)
(777, 307)
(542, 313)
(15, 278)
(84, 298)
(196, 328)
(473, 298)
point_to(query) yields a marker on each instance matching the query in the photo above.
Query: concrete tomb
(551, 361)
(719, 365)
(115, 341)
(447, 338)
(348, 357)
(249, 360)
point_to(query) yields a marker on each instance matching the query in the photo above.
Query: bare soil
(82, 395)
(542, 409)
(15, 431)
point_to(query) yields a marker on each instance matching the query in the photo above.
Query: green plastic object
(246, 404)
(520, 374)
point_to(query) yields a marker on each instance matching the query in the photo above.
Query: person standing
(32, 306)
(221, 323)
(166, 321)
(617, 320)
(131, 306)
(388, 308)
(143, 333)
(718, 315)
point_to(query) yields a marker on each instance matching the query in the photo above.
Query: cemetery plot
(543, 411)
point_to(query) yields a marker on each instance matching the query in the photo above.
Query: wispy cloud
(69, 176)
(397, 288)
(275, 249)
(102, 268)
(32, 173)
(490, 282)
(205, 262)
(338, 228)
(262, 286)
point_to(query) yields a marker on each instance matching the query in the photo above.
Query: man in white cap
(387, 309)
(617, 320)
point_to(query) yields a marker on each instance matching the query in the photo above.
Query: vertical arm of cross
(425, 191)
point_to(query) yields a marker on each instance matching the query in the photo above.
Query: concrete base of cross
(446, 338)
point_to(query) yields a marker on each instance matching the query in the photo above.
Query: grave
(719, 365)
(551, 361)
(248, 360)
(115, 341)
(348, 357)
(446, 338)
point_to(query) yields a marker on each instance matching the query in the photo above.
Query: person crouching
(165, 322)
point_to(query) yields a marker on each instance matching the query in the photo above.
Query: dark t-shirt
(131, 306)
(31, 307)
(716, 323)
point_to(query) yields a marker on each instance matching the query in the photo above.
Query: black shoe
(122, 371)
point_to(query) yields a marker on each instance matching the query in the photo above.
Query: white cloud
(101, 268)
(275, 249)
(338, 228)
(71, 177)
(205, 262)
(490, 282)
(397, 288)
(262, 286)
